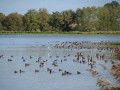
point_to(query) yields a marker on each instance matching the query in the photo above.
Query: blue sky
(22, 6)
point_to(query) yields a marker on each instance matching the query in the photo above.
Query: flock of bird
(80, 58)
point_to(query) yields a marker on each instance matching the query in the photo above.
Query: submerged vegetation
(106, 18)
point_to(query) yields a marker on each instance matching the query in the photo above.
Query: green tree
(114, 15)
(14, 22)
(2, 20)
(85, 19)
(113, 4)
(68, 19)
(44, 20)
(79, 20)
(108, 16)
(93, 19)
(30, 20)
(56, 21)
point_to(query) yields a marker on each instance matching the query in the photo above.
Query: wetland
(34, 62)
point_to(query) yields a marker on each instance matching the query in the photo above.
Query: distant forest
(106, 18)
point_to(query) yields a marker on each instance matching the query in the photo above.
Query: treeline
(106, 18)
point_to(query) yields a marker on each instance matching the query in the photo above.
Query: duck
(60, 69)
(21, 71)
(66, 73)
(51, 71)
(11, 56)
(63, 73)
(78, 72)
(9, 60)
(15, 71)
(106, 61)
(30, 56)
(36, 70)
(94, 61)
(23, 60)
(26, 64)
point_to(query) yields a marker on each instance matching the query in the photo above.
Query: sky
(22, 6)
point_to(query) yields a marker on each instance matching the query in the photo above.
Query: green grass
(62, 33)
(113, 44)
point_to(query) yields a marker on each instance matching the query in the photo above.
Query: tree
(30, 20)
(93, 19)
(85, 19)
(108, 16)
(44, 20)
(68, 18)
(114, 15)
(79, 20)
(14, 22)
(113, 4)
(2, 20)
(56, 21)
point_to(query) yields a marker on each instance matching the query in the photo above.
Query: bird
(78, 72)
(15, 71)
(49, 49)
(21, 71)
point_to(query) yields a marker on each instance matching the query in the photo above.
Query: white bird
(49, 49)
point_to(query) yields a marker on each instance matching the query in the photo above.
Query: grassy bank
(113, 44)
(100, 33)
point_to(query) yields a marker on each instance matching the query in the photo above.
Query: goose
(15, 71)
(36, 70)
(21, 71)
(26, 64)
(30, 56)
(78, 72)
(60, 69)
(9, 60)
(51, 71)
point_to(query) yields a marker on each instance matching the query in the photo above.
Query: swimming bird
(78, 72)
(15, 71)
(36, 70)
(26, 64)
(60, 69)
(21, 71)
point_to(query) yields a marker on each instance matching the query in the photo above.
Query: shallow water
(37, 46)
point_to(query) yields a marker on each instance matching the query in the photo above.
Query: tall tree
(79, 20)
(30, 20)
(93, 18)
(85, 19)
(113, 4)
(108, 16)
(14, 22)
(114, 14)
(2, 20)
(56, 21)
(90, 18)
(68, 18)
(44, 20)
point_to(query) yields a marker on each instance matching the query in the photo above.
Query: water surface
(20, 46)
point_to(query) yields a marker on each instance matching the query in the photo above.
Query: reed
(115, 71)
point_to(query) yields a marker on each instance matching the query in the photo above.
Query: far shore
(95, 33)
